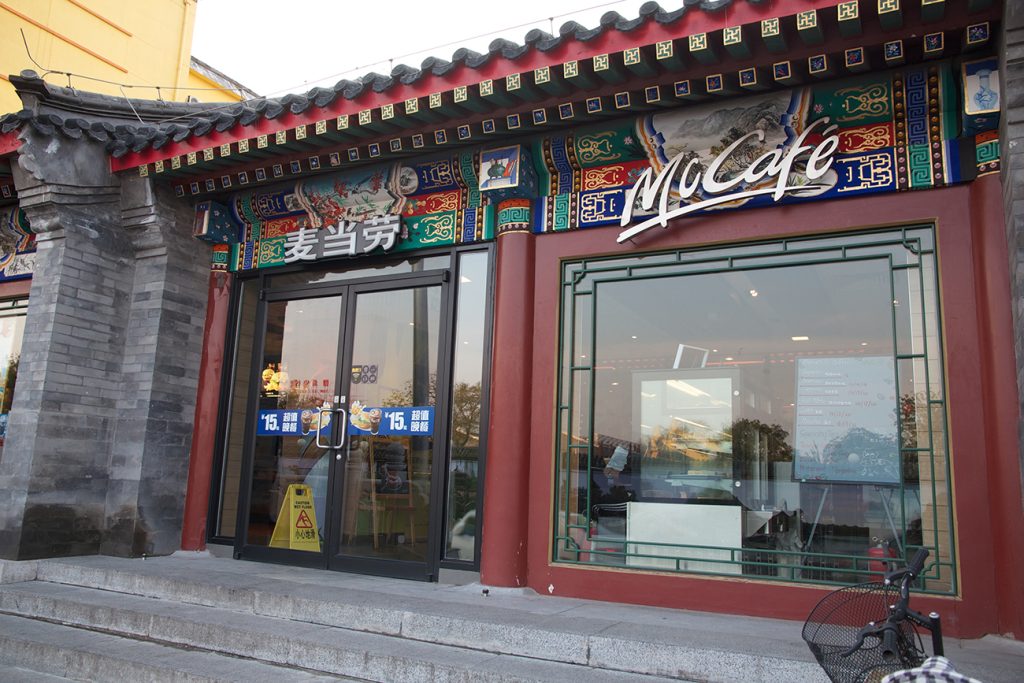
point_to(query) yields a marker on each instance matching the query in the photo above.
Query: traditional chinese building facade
(710, 308)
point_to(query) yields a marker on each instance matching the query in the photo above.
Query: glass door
(292, 407)
(390, 480)
(345, 444)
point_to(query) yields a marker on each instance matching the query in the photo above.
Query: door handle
(319, 427)
(344, 427)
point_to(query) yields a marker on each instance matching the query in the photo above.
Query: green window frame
(918, 509)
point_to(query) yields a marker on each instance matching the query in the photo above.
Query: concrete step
(601, 636)
(38, 651)
(280, 641)
(17, 674)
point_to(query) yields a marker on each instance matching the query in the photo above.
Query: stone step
(17, 674)
(625, 638)
(39, 651)
(280, 641)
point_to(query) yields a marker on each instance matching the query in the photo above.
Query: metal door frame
(328, 557)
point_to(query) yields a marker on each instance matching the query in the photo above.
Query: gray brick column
(1011, 134)
(96, 456)
(53, 475)
(163, 344)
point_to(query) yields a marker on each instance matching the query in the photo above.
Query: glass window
(776, 414)
(12, 329)
(467, 404)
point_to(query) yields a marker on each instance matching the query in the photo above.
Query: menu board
(846, 428)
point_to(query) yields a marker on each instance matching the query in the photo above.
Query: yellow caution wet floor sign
(296, 521)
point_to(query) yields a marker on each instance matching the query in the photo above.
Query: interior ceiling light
(800, 338)
(753, 292)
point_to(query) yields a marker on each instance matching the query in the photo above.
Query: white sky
(280, 46)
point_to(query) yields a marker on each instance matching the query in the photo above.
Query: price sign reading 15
(269, 422)
(396, 421)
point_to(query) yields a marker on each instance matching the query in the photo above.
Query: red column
(1001, 401)
(505, 507)
(204, 430)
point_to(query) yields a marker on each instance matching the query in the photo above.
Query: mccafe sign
(684, 186)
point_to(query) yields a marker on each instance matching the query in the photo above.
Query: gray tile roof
(129, 125)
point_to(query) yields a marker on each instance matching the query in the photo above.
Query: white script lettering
(776, 164)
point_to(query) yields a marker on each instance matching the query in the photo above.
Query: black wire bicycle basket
(833, 628)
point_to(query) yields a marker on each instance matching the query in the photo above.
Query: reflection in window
(778, 415)
(464, 462)
(12, 329)
(390, 446)
(298, 371)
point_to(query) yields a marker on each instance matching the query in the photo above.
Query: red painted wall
(975, 297)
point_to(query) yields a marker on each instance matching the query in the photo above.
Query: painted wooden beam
(734, 43)
(494, 92)
(894, 53)
(688, 90)
(721, 84)
(932, 10)
(668, 57)
(890, 14)
(848, 19)
(934, 45)
(753, 79)
(394, 114)
(550, 80)
(374, 121)
(418, 109)
(522, 87)
(977, 36)
(579, 74)
(808, 27)
(463, 98)
(820, 66)
(639, 61)
(771, 35)
(608, 67)
(702, 48)
(856, 60)
(788, 73)
(658, 96)
(449, 103)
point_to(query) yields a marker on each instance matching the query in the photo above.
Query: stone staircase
(186, 618)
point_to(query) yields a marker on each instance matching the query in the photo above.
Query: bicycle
(861, 633)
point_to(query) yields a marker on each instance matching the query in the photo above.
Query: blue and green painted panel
(898, 130)
(17, 245)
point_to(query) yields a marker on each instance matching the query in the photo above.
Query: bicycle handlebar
(888, 630)
(917, 564)
(889, 649)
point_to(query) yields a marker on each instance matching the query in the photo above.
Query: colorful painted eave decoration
(898, 130)
(17, 245)
(673, 51)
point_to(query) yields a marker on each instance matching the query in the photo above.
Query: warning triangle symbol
(303, 521)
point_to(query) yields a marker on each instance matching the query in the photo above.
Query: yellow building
(106, 43)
